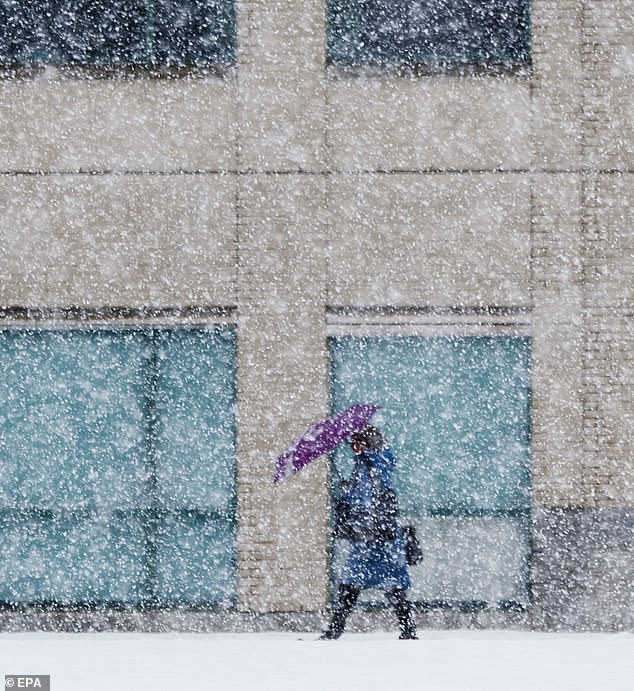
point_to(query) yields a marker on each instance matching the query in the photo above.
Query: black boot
(346, 600)
(400, 603)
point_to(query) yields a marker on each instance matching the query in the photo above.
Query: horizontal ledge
(117, 72)
(398, 69)
(15, 514)
(113, 608)
(428, 330)
(409, 310)
(477, 513)
(115, 316)
(428, 321)
(247, 172)
(455, 606)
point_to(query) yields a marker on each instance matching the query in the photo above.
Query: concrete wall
(277, 188)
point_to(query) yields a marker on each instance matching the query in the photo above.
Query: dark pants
(346, 600)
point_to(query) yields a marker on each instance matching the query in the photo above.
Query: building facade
(221, 222)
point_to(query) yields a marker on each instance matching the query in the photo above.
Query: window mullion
(152, 509)
(149, 29)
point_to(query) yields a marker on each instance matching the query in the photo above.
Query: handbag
(344, 523)
(413, 551)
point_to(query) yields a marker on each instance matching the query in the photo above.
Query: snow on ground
(439, 661)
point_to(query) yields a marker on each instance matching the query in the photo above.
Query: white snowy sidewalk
(439, 661)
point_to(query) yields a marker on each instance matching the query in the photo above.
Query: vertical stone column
(282, 359)
(557, 86)
(608, 84)
(558, 340)
(608, 473)
(281, 85)
(557, 83)
(282, 388)
(608, 151)
(584, 328)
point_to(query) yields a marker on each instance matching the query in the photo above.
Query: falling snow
(223, 222)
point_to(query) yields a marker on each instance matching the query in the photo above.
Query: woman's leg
(347, 597)
(398, 599)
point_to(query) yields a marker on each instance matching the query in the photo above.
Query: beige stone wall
(282, 368)
(557, 84)
(117, 240)
(608, 126)
(282, 388)
(608, 459)
(283, 187)
(53, 123)
(582, 253)
(281, 104)
(608, 70)
(429, 240)
(397, 124)
(558, 340)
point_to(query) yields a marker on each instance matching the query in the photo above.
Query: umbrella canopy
(321, 438)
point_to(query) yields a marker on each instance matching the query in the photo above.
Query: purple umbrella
(322, 437)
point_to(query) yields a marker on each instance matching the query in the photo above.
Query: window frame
(344, 15)
(214, 320)
(146, 63)
(381, 322)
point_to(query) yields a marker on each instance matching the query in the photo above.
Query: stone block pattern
(558, 340)
(608, 84)
(282, 379)
(608, 473)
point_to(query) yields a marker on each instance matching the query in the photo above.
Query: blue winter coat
(373, 565)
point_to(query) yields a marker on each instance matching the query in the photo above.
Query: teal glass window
(428, 32)
(134, 32)
(117, 467)
(456, 411)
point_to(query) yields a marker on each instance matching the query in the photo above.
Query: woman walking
(377, 552)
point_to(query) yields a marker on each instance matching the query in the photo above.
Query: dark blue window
(130, 32)
(428, 32)
(117, 467)
(456, 411)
